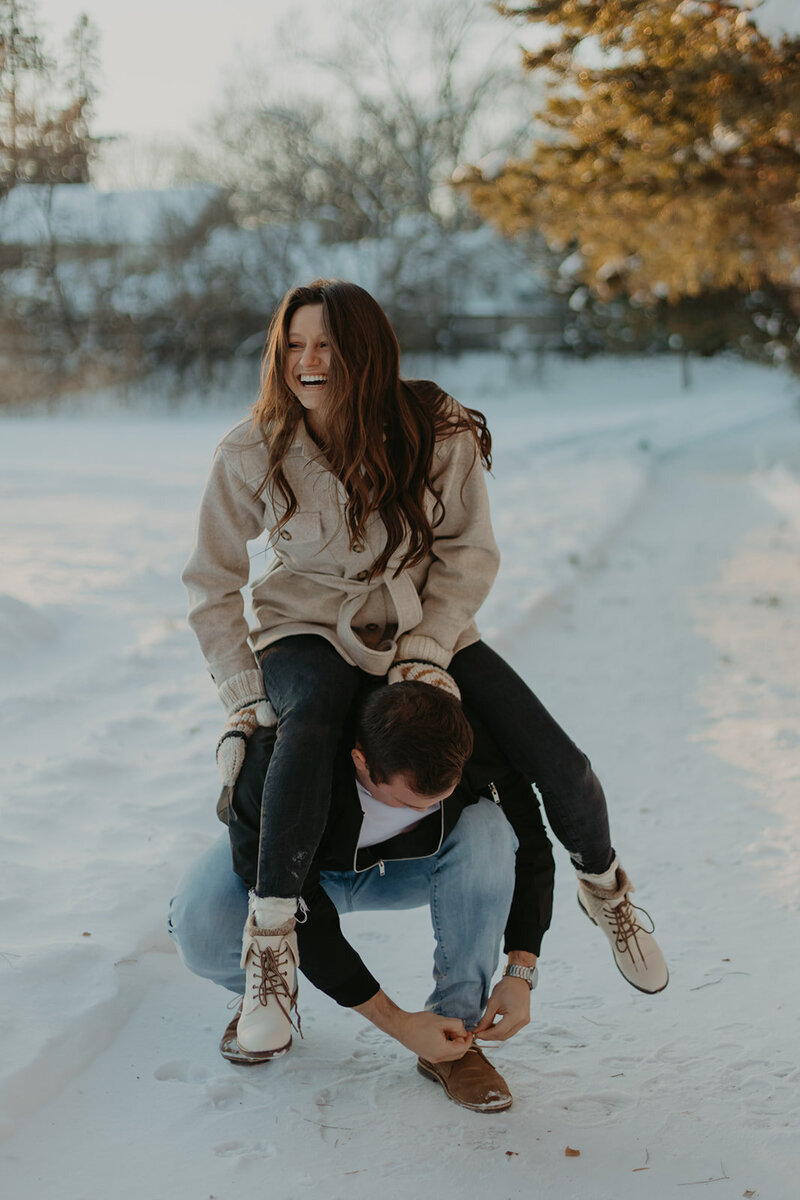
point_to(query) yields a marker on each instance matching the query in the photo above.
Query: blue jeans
(468, 886)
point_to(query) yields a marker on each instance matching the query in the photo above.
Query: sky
(165, 65)
(165, 62)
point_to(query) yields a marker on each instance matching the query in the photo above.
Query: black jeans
(312, 689)
(540, 750)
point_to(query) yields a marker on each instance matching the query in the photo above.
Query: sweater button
(358, 548)
(362, 574)
(287, 537)
(372, 626)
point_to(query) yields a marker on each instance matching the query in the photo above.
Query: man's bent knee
(485, 839)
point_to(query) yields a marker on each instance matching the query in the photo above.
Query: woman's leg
(541, 751)
(311, 688)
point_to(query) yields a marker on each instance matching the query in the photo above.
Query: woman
(372, 491)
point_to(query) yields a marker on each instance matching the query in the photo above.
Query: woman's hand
(423, 672)
(248, 707)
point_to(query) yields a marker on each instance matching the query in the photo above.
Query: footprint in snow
(245, 1150)
(598, 1109)
(221, 1093)
(181, 1071)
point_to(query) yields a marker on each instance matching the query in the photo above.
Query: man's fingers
(487, 1018)
(498, 1033)
(502, 1031)
(453, 1027)
(454, 1048)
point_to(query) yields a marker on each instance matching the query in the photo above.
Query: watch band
(529, 974)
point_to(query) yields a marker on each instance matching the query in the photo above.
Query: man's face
(396, 791)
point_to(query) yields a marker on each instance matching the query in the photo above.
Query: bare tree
(409, 92)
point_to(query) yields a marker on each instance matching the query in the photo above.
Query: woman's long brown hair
(380, 431)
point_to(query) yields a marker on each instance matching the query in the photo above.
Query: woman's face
(309, 357)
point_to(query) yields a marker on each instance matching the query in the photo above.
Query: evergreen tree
(668, 152)
(44, 138)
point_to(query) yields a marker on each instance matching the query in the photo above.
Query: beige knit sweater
(317, 582)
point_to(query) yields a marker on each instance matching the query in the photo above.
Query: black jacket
(326, 957)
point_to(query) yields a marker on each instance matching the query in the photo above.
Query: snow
(649, 593)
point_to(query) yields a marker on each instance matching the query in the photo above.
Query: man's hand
(435, 1038)
(511, 1001)
(429, 1036)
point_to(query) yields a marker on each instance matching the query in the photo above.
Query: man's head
(412, 741)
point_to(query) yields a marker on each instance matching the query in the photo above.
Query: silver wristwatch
(529, 974)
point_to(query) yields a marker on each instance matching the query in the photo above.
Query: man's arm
(508, 1008)
(435, 1038)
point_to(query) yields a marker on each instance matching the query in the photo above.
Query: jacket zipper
(381, 865)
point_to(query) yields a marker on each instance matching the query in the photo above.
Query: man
(423, 811)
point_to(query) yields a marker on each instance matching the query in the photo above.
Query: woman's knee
(306, 678)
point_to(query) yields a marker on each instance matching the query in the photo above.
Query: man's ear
(357, 755)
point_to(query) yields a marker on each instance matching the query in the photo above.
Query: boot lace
(625, 926)
(270, 980)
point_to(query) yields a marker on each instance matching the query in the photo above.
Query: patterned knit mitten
(246, 701)
(423, 672)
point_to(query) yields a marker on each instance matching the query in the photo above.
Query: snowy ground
(650, 594)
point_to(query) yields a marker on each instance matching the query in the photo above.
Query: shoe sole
(644, 991)
(484, 1108)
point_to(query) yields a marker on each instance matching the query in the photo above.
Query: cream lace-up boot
(604, 899)
(270, 959)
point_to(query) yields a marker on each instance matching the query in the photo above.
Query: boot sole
(233, 1052)
(644, 991)
(482, 1108)
(230, 1049)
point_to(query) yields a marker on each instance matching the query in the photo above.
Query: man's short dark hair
(417, 731)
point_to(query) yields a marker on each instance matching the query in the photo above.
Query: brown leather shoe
(471, 1081)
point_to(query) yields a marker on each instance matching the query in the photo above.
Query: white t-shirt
(382, 821)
